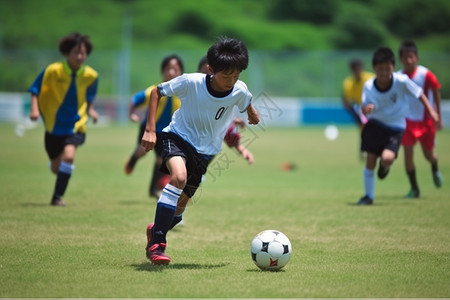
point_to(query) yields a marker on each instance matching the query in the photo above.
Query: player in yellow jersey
(352, 88)
(171, 67)
(62, 95)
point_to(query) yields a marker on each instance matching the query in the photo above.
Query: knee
(387, 161)
(178, 180)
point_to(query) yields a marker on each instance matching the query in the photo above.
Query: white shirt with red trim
(425, 79)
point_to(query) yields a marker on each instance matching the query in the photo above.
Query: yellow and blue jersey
(166, 107)
(352, 88)
(64, 96)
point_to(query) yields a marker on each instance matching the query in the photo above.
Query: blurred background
(299, 49)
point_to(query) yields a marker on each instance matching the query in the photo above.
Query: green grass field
(94, 247)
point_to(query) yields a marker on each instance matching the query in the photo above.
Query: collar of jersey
(69, 70)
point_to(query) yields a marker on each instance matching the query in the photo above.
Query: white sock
(170, 195)
(369, 182)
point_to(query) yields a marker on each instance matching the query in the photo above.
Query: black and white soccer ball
(270, 250)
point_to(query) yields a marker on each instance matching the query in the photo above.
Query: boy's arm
(92, 113)
(34, 109)
(253, 115)
(428, 107)
(149, 137)
(437, 101)
(245, 153)
(132, 114)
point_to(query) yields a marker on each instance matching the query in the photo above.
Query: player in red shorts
(419, 125)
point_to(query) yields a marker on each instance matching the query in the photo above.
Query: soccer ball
(270, 250)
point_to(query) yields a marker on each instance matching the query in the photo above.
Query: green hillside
(277, 30)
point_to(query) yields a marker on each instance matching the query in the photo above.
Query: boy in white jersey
(209, 103)
(385, 101)
(419, 126)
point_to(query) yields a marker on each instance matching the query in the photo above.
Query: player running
(385, 101)
(419, 124)
(197, 129)
(63, 95)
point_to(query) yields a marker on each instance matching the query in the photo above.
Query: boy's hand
(439, 125)
(148, 140)
(248, 156)
(93, 114)
(434, 115)
(34, 114)
(134, 117)
(367, 109)
(253, 115)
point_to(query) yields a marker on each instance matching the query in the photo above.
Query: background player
(385, 101)
(419, 125)
(352, 88)
(63, 94)
(171, 67)
(196, 131)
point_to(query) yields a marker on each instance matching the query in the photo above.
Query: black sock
(434, 166)
(62, 180)
(163, 221)
(413, 179)
(132, 161)
(175, 221)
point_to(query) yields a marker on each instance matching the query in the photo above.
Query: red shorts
(422, 131)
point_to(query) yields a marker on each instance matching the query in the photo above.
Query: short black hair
(166, 60)
(383, 55)
(203, 61)
(408, 46)
(227, 54)
(355, 62)
(67, 43)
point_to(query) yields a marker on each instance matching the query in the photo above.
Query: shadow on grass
(257, 270)
(386, 200)
(35, 204)
(147, 266)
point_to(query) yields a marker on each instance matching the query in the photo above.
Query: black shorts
(375, 138)
(170, 144)
(54, 144)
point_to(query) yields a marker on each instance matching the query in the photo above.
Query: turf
(94, 247)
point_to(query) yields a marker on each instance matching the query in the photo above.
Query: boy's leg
(158, 180)
(64, 173)
(432, 158)
(411, 172)
(386, 160)
(181, 206)
(369, 179)
(138, 152)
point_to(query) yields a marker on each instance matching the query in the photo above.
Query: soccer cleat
(149, 233)
(437, 178)
(382, 171)
(155, 253)
(366, 200)
(413, 193)
(57, 202)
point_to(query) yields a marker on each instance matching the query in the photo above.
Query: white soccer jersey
(203, 119)
(427, 81)
(391, 106)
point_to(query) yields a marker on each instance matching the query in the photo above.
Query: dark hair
(67, 43)
(227, 54)
(166, 60)
(383, 55)
(355, 62)
(407, 46)
(202, 62)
